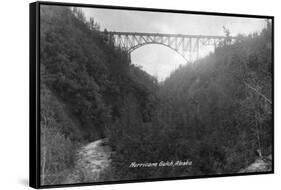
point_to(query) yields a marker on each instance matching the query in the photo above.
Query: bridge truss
(188, 46)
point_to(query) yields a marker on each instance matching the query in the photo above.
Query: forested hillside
(86, 86)
(216, 112)
(224, 104)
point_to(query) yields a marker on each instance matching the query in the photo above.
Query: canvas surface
(133, 95)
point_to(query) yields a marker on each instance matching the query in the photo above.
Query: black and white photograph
(135, 94)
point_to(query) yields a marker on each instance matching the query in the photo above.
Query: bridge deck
(169, 35)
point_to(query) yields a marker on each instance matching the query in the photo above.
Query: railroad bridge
(188, 46)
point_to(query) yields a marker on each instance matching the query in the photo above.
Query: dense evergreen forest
(216, 112)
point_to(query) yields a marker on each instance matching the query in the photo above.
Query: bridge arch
(133, 48)
(157, 60)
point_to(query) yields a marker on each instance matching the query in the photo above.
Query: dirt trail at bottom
(92, 160)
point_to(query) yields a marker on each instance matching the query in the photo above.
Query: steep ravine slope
(85, 87)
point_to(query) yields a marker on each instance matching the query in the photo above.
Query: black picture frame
(34, 98)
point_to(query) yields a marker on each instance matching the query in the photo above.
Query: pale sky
(159, 60)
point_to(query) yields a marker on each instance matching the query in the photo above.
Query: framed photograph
(123, 94)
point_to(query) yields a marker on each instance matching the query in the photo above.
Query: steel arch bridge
(187, 46)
